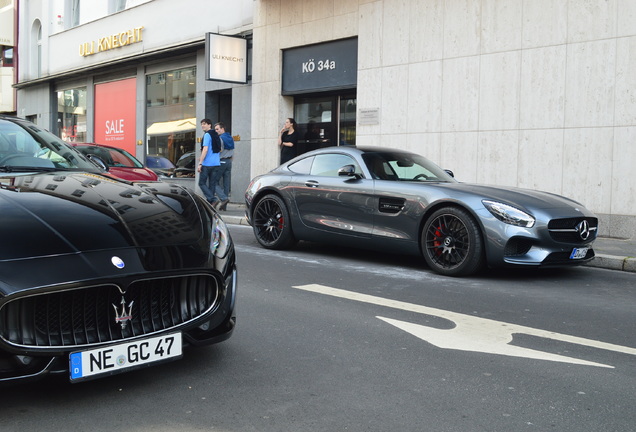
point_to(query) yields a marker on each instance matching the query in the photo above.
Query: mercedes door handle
(312, 183)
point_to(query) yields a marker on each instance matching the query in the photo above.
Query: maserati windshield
(26, 147)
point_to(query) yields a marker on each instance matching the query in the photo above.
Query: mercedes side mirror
(349, 171)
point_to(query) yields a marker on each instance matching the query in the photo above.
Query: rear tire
(271, 224)
(451, 242)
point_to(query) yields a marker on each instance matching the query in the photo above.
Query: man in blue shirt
(209, 163)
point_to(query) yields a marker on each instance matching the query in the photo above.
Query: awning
(170, 127)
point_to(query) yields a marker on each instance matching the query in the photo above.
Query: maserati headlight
(508, 214)
(220, 242)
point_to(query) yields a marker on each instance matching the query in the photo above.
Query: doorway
(325, 120)
(218, 107)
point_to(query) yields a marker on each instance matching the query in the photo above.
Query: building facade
(530, 93)
(135, 74)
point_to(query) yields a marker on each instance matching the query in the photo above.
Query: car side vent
(391, 205)
(517, 246)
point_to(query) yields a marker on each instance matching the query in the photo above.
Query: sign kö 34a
(116, 40)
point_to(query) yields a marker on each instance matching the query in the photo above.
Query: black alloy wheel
(270, 222)
(452, 243)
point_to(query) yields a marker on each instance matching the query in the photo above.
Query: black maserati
(99, 275)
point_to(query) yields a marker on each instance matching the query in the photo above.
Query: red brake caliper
(438, 242)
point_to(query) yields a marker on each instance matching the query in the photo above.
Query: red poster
(115, 114)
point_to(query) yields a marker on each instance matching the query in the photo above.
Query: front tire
(271, 224)
(451, 242)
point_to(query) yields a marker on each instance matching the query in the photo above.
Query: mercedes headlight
(220, 242)
(508, 214)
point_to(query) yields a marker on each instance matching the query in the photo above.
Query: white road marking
(472, 333)
(328, 262)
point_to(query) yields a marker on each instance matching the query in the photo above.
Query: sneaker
(223, 205)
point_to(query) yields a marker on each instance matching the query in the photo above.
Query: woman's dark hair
(292, 121)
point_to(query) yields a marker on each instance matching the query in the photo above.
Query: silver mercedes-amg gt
(399, 201)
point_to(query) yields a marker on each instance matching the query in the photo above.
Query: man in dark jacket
(226, 155)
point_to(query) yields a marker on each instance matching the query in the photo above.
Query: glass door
(325, 121)
(347, 120)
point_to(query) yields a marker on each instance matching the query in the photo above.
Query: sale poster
(115, 114)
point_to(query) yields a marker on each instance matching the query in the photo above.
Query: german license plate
(113, 359)
(579, 253)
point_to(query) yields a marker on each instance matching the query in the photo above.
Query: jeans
(226, 174)
(208, 181)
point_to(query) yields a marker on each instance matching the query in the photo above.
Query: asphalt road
(347, 340)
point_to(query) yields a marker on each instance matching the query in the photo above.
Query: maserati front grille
(100, 314)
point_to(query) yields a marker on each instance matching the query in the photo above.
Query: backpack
(227, 144)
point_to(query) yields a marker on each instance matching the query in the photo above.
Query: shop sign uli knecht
(115, 40)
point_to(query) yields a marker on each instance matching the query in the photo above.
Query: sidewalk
(613, 254)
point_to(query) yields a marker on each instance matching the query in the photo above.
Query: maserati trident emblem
(583, 229)
(123, 315)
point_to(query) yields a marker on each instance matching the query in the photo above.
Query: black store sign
(322, 67)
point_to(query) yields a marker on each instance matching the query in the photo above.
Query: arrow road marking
(472, 333)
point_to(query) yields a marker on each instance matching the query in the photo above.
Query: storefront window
(171, 123)
(6, 57)
(313, 116)
(325, 121)
(71, 114)
(348, 111)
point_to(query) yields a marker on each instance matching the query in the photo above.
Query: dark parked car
(119, 162)
(97, 275)
(399, 201)
(162, 166)
(186, 165)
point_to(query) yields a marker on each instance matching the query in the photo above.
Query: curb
(612, 262)
(234, 220)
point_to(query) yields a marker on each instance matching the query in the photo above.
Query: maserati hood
(54, 214)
